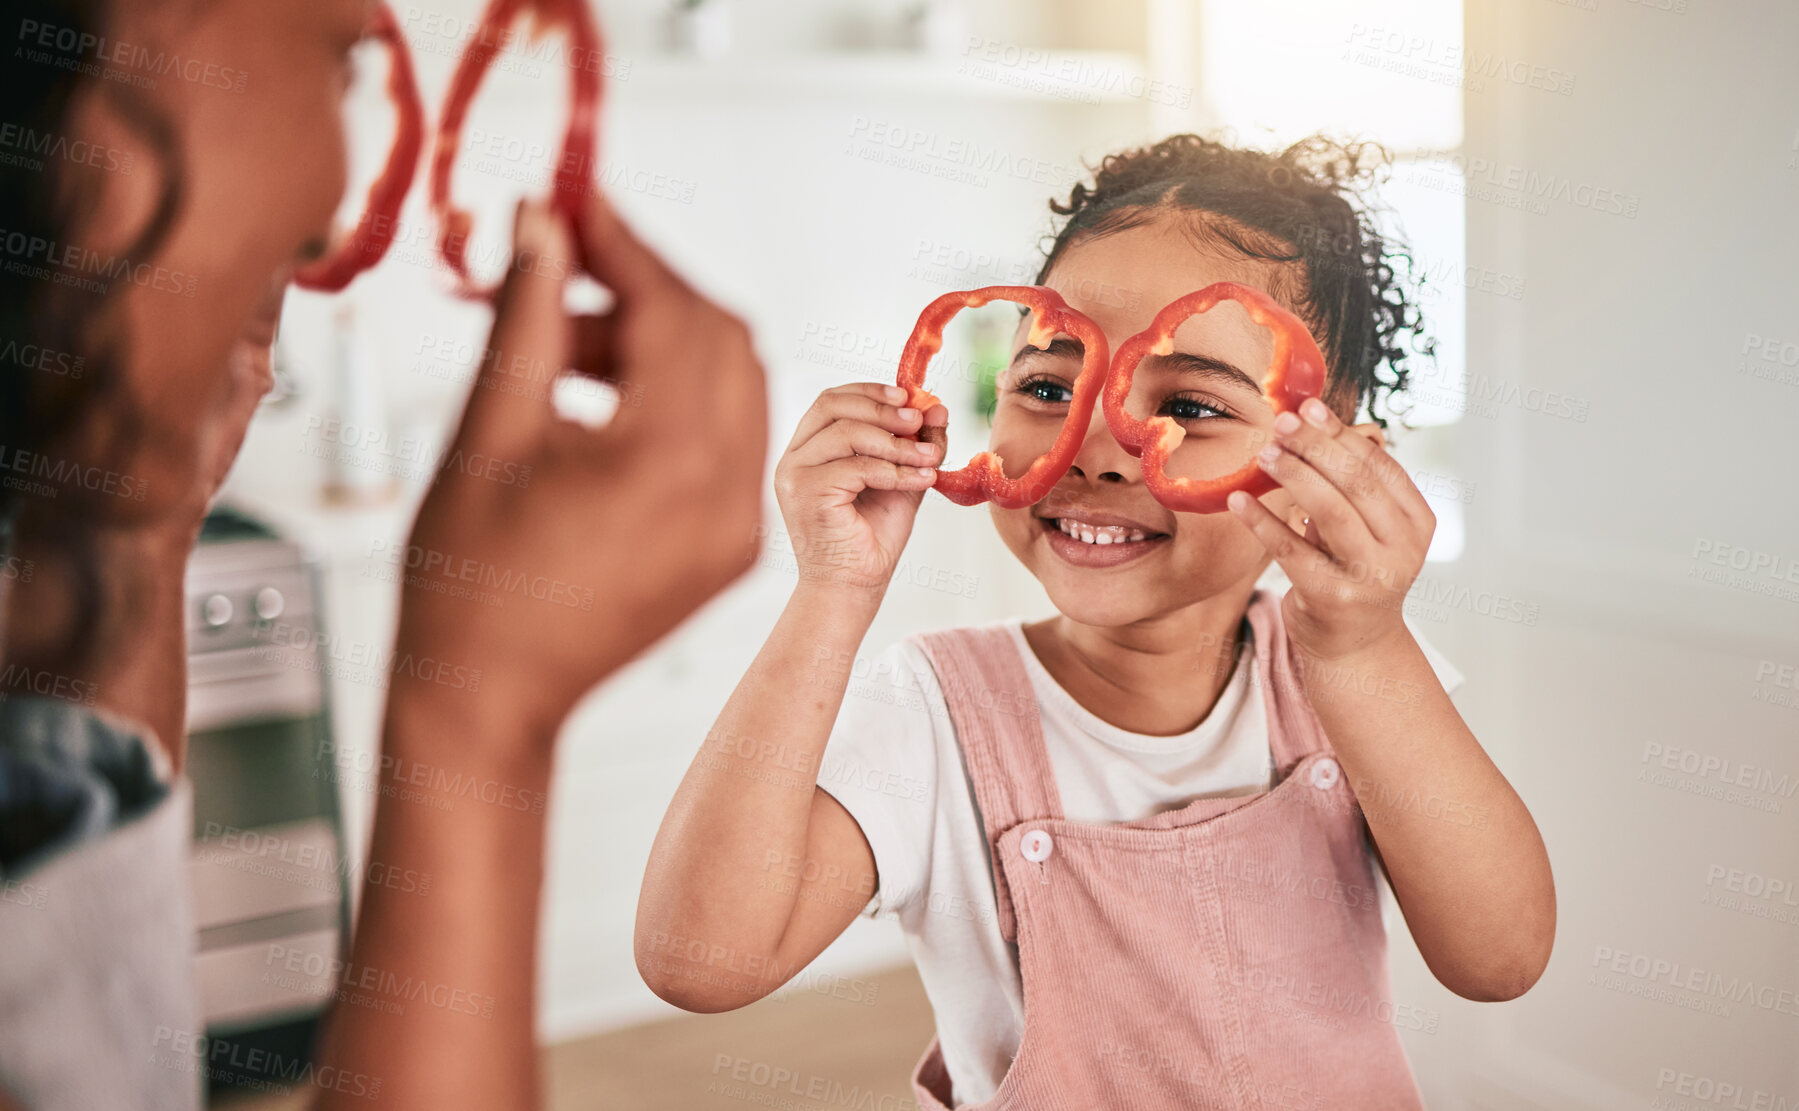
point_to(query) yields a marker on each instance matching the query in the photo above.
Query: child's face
(1159, 560)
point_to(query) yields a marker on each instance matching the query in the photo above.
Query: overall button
(1036, 846)
(1325, 773)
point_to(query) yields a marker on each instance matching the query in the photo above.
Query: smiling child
(1132, 845)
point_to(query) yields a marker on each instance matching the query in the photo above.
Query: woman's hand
(546, 554)
(1369, 531)
(850, 482)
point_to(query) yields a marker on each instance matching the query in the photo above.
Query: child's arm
(1460, 850)
(1458, 846)
(755, 869)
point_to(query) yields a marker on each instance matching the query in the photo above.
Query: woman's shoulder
(77, 771)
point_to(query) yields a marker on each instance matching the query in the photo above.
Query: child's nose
(1101, 457)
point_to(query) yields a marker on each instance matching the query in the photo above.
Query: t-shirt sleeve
(1447, 673)
(881, 765)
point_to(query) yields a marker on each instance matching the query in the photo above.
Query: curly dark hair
(46, 201)
(1311, 204)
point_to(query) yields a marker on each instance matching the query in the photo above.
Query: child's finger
(1301, 561)
(843, 438)
(1371, 479)
(1341, 524)
(870, 402)
(862, 472)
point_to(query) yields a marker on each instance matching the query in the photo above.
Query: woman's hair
(46, 326)
(60, 344)
(1307, 204)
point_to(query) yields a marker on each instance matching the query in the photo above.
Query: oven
(269, 868)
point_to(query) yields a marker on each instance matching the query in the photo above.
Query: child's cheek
(1018, 441)
(1215, 451)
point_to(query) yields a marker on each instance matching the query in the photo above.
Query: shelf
(1050, 77)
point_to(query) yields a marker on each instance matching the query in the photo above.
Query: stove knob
(216, 611)
(269, 603)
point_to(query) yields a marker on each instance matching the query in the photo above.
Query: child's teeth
(1100, 534)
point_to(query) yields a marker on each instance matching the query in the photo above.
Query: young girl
(1131, 845)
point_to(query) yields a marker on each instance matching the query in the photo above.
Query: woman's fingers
(530, 339)
(622, 262)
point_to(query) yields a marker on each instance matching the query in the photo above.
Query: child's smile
(1089, 536)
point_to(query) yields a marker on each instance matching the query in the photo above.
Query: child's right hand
(850, 482)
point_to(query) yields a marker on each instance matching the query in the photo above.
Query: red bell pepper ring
(575, 164)
(374, 233)
(984, 478)
(1295, 373)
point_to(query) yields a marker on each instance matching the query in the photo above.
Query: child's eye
(1047, 390)
(1191, 408)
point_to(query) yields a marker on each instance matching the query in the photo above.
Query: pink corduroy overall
(1228, 954)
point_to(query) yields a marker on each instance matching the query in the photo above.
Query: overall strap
(993, 708)
(1293, 729)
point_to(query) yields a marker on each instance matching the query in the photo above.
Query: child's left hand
(1365, 542)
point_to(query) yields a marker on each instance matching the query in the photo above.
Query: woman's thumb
(511, 403)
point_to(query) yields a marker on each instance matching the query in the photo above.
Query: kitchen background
(1601, 195)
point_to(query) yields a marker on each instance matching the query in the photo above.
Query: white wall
(1642, 319)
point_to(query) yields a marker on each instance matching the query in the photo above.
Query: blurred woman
(156, 267)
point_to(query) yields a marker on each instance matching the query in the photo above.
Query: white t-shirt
(894, 764)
